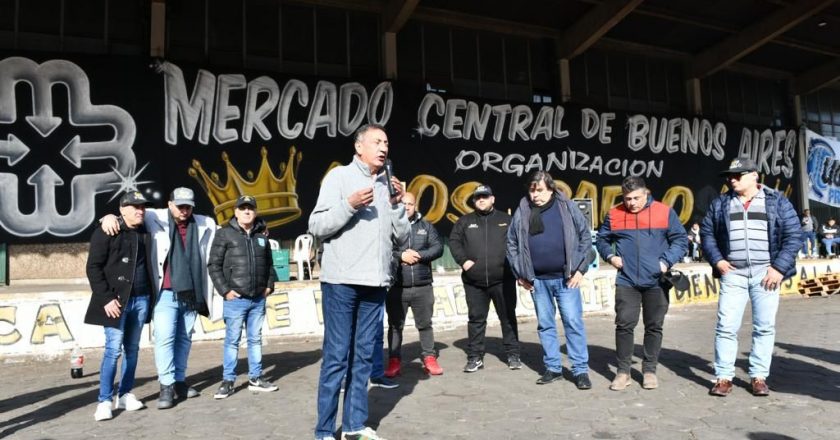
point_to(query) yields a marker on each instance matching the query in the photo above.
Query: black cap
(134, 198)
(482, 190)
(246, 200)
(739, 166)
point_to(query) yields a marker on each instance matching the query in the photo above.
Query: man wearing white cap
(182, 285)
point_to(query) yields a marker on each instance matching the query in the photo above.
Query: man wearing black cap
(750, 235)
(241, 269)
(477, 242)
(121, 284)
(180, 249)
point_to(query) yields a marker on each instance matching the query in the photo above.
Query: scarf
(185, 266)
(535, 224)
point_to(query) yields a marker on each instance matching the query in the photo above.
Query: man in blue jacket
(750, 236)
(549, 247)
(642, 238)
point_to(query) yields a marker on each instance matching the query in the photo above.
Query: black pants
(421, 299)
(654, 304)
(503, 296)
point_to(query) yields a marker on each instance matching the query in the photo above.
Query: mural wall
(75, 134)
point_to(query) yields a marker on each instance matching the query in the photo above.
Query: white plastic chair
(303, 249)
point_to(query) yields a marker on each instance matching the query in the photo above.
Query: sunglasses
(737, 176)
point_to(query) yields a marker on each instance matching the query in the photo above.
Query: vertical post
(389, 48)
(565, 80)
(4, 264)
(801, 154)
(157, 34)
(694, 97)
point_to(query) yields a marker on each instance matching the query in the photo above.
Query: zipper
(410, 246)
(134, 272)
(486, 250)
(252, 261)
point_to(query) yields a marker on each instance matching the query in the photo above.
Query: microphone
(389, 172)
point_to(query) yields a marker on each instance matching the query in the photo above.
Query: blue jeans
(809, 237)
(545, 294)
(829, 245)
(125, 337)
(378, 367)
(735, 290)
(251, 313)
(173, 328)
(351, 316)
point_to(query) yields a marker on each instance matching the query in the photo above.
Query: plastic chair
(303, 250)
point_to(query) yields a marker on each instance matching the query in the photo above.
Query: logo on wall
(823, 168)
(81, 113)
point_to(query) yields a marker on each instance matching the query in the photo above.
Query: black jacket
(240, 262)
(481, 238)
(424, 239)
(110, 270)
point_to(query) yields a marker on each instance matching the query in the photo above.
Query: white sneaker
(129, 402)
(103, 412)
(365, 434)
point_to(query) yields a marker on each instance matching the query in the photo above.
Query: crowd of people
(165, 264)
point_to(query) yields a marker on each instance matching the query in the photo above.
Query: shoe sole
(542, 382)
(387, 387)
(130, 409)
(165, 406)
(221, 396)
(262, 390)
(437, 373)
(466, 370)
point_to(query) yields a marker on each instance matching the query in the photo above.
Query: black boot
(167, 397)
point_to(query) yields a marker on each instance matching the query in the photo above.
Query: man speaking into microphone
(358, 217)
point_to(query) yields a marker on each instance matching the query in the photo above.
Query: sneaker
(103, 412)
(260, 384)
(383, 382)
(129, 402)
(225, 390)
(394, 367)
(184, 391)
(650, 382)
(548, 377)
(473, 364)
(430, 364)
(620, 382)
(363, 434)
(514, 363)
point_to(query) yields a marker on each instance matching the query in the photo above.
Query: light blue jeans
(735, 291)
(173, 328)
(546, 293)
(251, 313)
(126, 338)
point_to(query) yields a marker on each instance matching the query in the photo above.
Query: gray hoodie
(357, 243)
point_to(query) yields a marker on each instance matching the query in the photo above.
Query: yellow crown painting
(277, 201)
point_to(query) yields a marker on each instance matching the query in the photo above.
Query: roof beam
(592, 26)
(396, 13)
(816, 78)
(737, 46)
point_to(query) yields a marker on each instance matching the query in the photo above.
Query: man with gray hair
(358, 220)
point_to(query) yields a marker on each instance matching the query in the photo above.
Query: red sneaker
(431, 366)
(393, 369)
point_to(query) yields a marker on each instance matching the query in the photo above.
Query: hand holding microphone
(395, 189)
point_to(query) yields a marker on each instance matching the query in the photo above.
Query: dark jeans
(654, 304)
(421, 299)
(503, 296)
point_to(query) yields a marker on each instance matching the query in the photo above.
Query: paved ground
(38, 400)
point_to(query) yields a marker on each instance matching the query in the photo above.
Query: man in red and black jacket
(642, 238)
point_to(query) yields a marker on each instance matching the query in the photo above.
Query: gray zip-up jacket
(357, 243)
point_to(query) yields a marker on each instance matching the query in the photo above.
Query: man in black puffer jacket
(478, 243)
(413, 288)
(241, 270)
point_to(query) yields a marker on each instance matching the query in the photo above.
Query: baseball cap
(740, 165)
(482, 190)
(134, 198)
(182, 196)
(246, 200)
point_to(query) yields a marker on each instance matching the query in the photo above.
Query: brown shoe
(621, 381)
(722, 388)
(759, 387)
(650, 382)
